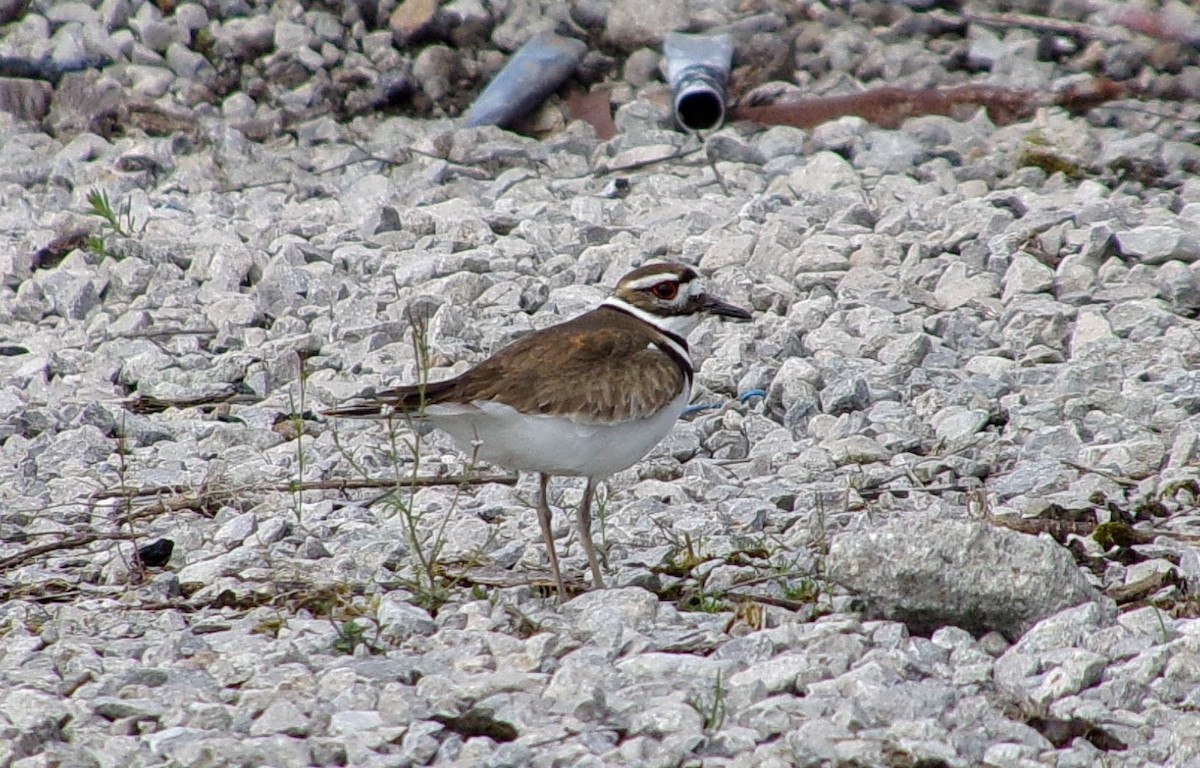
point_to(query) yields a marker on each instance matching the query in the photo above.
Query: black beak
(715, 306)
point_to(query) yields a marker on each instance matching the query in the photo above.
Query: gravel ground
(972, 344)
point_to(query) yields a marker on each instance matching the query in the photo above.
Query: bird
(587, 397)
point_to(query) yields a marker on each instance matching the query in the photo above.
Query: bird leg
(584, 517)
(543, 511)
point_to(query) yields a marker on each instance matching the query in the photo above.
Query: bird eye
(666, 290)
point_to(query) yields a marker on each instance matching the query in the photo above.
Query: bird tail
(409, 399)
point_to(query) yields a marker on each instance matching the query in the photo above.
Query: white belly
(500, 435)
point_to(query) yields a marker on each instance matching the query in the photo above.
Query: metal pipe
(698, 70)
(534, 72)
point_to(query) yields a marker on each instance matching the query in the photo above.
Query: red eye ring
(666, 290)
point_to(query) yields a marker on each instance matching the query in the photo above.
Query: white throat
(679, 325)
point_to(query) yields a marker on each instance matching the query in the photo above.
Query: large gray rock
(931, 573)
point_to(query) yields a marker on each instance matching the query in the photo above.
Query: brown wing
(599, 367)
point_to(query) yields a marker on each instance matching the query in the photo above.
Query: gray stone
(282, 288)
(730, 149)
(605, 611)
(191, 16)
(113, 708)
(354, 721)
(1070, 671)
(931, 573)
(1026, 275)
(281, 716)
(839, 136)
(856, 449)
(114, 13)
(845, 394)
(420, 743)
(956, 288)
(31, 710)
(631, 25)
(1031, 477)
(906, 349)
(1092, 336)
(185, 62)
(438, 70)
(1156, 244)
(641, 67)
(821, 172)
(156, 33)
(889, 152)
(247, 38)
(399, 620)
(149, 81)
(290, 36)
(1180, 285)
(235, 532)
(955, 424)
(72, 295)
(666, 717)
(65, 12)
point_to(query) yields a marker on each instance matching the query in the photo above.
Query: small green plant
(430, 584)
(204, 42)
(425, 574)
(1037, 152)
(351, 634)
(805, 590)
(425, 548)
(137, 570)
(119, 223)
(269, 626)
(711, 707)
(704, 602)
(685, 558)
(600, 505)
(1164, 633)
(297, 423)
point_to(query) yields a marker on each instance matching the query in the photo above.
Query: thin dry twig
(149, 404)
(890, 106)
(1143, 587)
(206, 501)
(70, 542)
(165, 333)
(404, 155)
(1127, 482)
(337, 484)
(771, 600)
(173, 499)
(678, 154)
(1034, 23)
(490, 576)
(1158, 25)
(1059, 530)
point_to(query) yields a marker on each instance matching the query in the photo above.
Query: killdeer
(586, 398)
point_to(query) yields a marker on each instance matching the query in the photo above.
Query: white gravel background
(953, 321)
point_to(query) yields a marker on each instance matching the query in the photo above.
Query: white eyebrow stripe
(649, 281)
